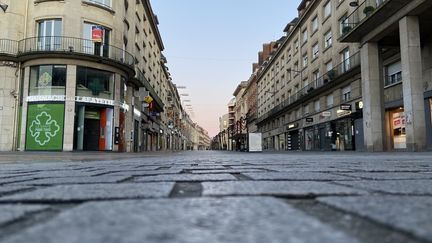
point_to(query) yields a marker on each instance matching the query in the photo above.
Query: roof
(243, 84)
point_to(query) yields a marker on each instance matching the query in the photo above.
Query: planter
(368, 10)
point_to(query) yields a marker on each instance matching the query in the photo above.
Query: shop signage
(94, 100)
(293, 125)
(309, 119)
(345, 107)
(36, 98)
(359, 105)
(45, 127)
(45, 79)
(148, 99)
(341, 113)
(326, 114)
(97, 33)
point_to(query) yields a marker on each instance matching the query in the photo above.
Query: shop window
(398, 127)
(94, 83)
(47, 80)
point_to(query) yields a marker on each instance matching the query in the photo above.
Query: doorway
(91, 134)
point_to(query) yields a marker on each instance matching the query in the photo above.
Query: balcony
(55, 46)
(327, 81)
(367, 16)
(8, 49)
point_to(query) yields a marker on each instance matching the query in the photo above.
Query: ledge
(106, 8)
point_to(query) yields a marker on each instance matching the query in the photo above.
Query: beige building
(69, 80)
(310, 88)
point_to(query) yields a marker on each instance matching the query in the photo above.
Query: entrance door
(359, 135)
(295, 140)
(136, 127)
(91, 134)
(322, 138)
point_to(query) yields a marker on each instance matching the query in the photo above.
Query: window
(316, 75)
(317, 105)
(346, 93)
(306, 109)
(49, 34)
(314, 24)
(91, 46)
(329, 100)
(47, 80)
(296, 45)
(315, 51)
(305, 36)
(327, 9)
(328, 39)
(343, 22)
(305, 60)
(106, 3)
(329, 66)
(394, 73)
(345, 58)
(94, 83)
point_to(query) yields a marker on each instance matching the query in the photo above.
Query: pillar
(373, 93)
(412, 82)
(69, 122)
(25, 91)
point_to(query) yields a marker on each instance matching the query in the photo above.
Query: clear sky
(211, 45)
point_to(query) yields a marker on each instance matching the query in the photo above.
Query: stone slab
(12, 188)
(296, 176)
(65, 193)
(388, 175)
(282, 188)
(414, 187)
(225, 171)
(408, 213)
(74, 180)
(13, 212)
(146, 173)
(187, 177)
(230, 220)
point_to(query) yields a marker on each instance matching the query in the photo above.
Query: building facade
(82, 75)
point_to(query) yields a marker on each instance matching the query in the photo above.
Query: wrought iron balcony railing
(363, 11)
(8, 47)
(62, 44)
(304, 93)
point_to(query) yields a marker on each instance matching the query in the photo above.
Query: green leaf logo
(43, 128)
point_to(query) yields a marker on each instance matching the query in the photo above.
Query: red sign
(97, 33)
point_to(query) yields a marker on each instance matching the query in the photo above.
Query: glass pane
(47, 80)
(95, 83)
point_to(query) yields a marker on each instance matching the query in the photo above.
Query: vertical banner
(45, 127)
(97, 33)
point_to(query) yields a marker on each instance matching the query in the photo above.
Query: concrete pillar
(412, 82)
(25, 90)
(118, 85)
(373, 93)
(69, 122)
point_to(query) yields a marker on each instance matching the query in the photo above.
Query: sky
(210, 46)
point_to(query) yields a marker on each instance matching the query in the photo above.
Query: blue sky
(211, 45)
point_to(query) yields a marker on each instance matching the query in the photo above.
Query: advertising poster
(45, 127)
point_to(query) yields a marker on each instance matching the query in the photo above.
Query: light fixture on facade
(4, 7)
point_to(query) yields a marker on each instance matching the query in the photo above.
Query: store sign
(37, 98)
(345, 107)
(45, 79)
(326, 114)
(94, 100)
(293, 125)
(309, 119)
(45, 127)
(341, 113)
(97, 33)
(148, 99)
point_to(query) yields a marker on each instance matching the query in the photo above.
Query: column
(117, 86)
(412, 81)
(25, 90)
(69, 122)
(373, 93)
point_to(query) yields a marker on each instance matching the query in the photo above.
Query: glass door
(49, 34)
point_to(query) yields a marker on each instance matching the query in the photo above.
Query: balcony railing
(344, 67)
(363, 11)
(393, 79)
(8, 47)
(62, 44)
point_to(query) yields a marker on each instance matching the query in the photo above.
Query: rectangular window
(296, 45)
(346, 93)
(305, 36)
(329, 66)
(94, 83)
(329, 100)
(106, 3)
(306, 109)
(328, 39)
(343, 25)
(315, 51)
(47, 80)
(345, 58)
(394, 73)
(305, 60)
(49, 34)
(317, 105)
(327, 9)
(314, 24)
(90, 46)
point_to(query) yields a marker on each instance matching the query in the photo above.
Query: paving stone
(225, 171)
(188, 177)
(282, 188)
(12, 188)
(414, 187)
(16, 179)
(93, 192)
(236, 220)
(408, 213)
(13, 212)
(146, 173)
(75, 180)
(296, 176)
(388, 175)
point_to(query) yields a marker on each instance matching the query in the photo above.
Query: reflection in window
(95, 83)
(47, 80)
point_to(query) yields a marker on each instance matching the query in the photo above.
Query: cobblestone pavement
(216, 197)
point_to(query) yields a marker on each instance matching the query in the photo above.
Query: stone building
(82, 75)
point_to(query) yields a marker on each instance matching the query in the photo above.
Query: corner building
(309, 89)
(75, 75)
